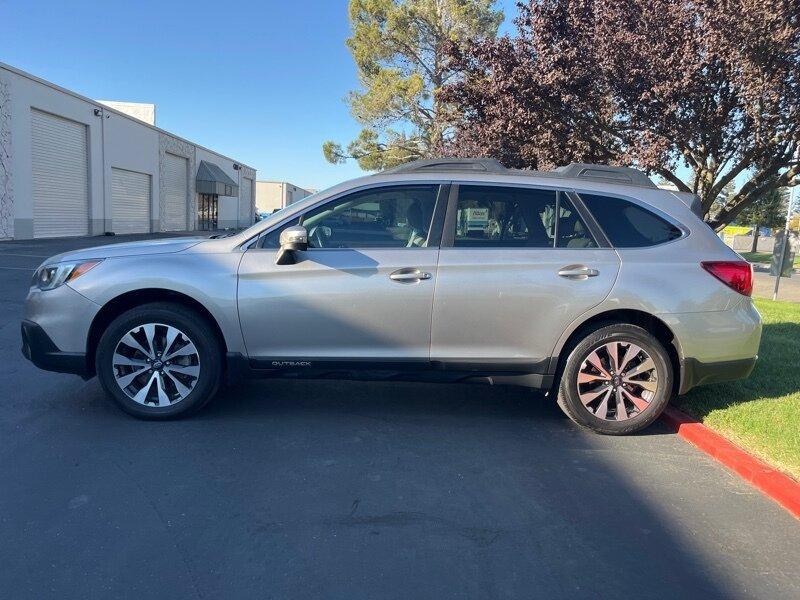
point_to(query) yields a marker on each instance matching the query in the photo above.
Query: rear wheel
(159, 361)
(617, 380)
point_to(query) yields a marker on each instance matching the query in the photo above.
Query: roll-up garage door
(60, 176)
(130, 200)
(246, 203)
(176, 185)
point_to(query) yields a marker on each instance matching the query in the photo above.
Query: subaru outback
(588, 283)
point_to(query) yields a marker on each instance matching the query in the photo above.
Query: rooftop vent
(624, 175)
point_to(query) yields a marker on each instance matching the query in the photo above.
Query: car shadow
(402, 398)
(254, 398)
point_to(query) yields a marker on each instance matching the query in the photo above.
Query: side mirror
(293, 239)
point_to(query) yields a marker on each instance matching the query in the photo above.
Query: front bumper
(55, 328)
(38, 348)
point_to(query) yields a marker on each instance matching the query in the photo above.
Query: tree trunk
(754, 248)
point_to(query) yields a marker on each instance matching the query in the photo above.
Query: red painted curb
(780, 487)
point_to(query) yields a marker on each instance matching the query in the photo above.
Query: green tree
(401, 51)
(769, 210)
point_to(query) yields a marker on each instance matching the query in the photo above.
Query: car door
(517, 265)
(362, 291)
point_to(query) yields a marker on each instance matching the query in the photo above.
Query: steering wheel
(319, 236)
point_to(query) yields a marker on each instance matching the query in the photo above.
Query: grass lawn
(761, 414)
(764, 257)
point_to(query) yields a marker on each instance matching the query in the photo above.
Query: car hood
(162, 246)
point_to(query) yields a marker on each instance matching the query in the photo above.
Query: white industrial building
(72, 166)
(272, 195)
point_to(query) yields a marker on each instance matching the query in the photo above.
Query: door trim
(366, 369)
(476, 366)
(449, 233)
(439, 212)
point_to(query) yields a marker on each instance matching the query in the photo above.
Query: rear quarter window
(628, 225)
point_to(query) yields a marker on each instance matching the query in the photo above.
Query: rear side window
(628, 225)
(508, 217)
(571, 231)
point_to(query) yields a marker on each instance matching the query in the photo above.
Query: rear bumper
(716, 346)
(38, 348)
(694, 372)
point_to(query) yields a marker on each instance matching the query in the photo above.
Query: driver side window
(385, 217)
(272, 240)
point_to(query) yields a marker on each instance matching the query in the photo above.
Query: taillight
(736, 274)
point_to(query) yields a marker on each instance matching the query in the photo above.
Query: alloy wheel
(617, 381)
(156, 365)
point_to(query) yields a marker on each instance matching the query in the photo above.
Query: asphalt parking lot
(355, 490)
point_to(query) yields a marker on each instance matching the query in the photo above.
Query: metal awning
(213, 180)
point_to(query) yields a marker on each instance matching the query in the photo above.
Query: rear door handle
(578, 272)
(409, 275)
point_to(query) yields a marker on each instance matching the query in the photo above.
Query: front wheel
(617, 380)
(159, 361)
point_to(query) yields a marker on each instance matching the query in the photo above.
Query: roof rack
(485, 165)
(606, 174)
(624, 175)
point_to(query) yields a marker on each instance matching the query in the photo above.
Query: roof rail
(485, 165)
(604, 173)
(624, 175)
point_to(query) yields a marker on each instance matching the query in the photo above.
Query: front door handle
(409, 275)
(578, 272)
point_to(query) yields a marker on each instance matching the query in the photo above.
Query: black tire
(187, 321)
(568, 396)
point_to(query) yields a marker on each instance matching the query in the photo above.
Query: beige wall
(269, 196)
(272, 195)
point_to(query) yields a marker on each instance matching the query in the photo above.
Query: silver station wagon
(588, 283)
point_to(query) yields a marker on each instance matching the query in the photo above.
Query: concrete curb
(779, 487)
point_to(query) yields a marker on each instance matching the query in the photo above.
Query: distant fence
(743, 243)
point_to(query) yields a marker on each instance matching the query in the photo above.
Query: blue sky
(262, 82)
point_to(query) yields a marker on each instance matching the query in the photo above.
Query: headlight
(48, 277)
